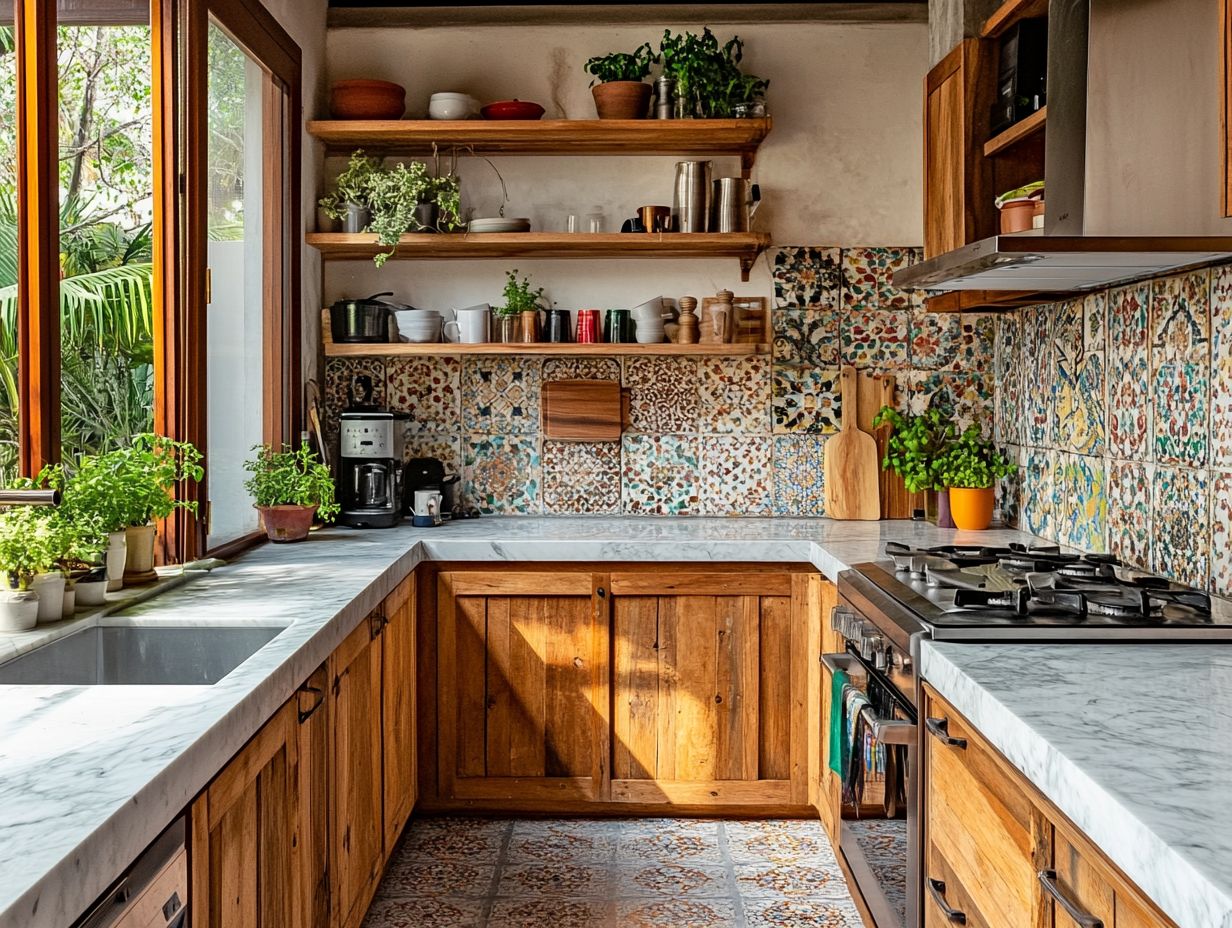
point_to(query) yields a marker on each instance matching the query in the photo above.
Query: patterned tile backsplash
(703, 436)
(1118, 408)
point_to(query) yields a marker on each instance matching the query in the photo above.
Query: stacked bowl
(648, 322)
(419, 325)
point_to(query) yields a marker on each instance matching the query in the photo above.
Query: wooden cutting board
(896, 502)
(582, 410)
(851, 466)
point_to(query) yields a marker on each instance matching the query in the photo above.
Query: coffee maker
(370, 468)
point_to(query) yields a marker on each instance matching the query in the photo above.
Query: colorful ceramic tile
(1181, 392)
(799, 913)
(1129, 403)
(1221, 366)
(1180, 318)
(581, 369)
(675, 846)
(1009, 488)
(876, 338)
(571, 880)
(934, 339)
(445, 448)
(1180, 525)
(751, 843)
(662, 394)
(1038, 375)
(425, 912)
(430, 390)
(469, 839)
(734, 395)
(798, 475)
(501, 394)
(561, 845)
(502, 473)
(1078, 358)
(1086, 509)
(659, 475)
(804, 399)
(339, 375)
(806, 336)
(1007, 374)
(1221, 534)
(965, 397)
(736, 476)
(806, 278)
(1043, 492)
(535, 912)
(976, 342)
(868, 275)
(676, 913)
(673, 880)
(785, 879)
(581, 476)
(1129, 512)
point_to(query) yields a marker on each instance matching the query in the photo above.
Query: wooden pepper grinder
(688, 332)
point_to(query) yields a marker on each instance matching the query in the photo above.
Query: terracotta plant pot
(1016, 215)
(972, 509)
(621, 99)
(286, 523)
(139, 565)
(367, 99)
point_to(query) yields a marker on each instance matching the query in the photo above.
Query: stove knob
(872, 648)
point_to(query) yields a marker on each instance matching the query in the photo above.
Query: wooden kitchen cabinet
(828, 795)
(398, 708)
(311, 848)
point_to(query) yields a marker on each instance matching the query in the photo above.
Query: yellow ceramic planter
(971, 509)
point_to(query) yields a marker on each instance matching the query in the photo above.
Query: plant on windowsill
(289, 487)
(970, 469)
(26, 549)
(348, 203)
(619, 87)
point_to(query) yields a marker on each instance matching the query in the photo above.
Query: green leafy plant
(621, 66)
(352, 186)
(142, 479)
(79, 530)
(519, 297)
(27, 546)
(917, 446)
(708, 76)
(746, 88)
(290, 477)
(972, 462)
(447, 194)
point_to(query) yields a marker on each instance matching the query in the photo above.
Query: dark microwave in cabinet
(1022, 73)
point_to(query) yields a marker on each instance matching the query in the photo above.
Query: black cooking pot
(364, 321)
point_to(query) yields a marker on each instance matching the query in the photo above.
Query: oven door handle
(838, 662)
(889, 731)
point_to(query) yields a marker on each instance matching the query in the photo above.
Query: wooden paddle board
(850, 466)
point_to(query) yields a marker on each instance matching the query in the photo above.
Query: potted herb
(915, 450)
(25, 550)
(288, 488)
(746, 96)
(521, 306)
(709, 82)
(970, 468)
(618, 88)
(349, 203)
(395, 197)
(93, 494)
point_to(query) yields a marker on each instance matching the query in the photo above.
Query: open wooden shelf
(542, 349)
(1011, 12)
(745, 246)
(1023, 129)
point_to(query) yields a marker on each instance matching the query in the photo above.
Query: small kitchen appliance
(370, 468)
(426, 508)
(1022, 76)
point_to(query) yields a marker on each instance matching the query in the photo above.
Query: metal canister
(665, 98)
(733, 205)
(691, 202)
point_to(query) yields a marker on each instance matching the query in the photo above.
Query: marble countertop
(90, 775)
(1132, 742)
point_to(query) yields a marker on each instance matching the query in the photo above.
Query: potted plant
(394, 197)
(147, 473)
(618, 88)
(349, 203)
(25, 549)
(970, 468)
(520, 299)
(1017, 207)
(92, 496)
(746, 96)
(914, 451)
(709, 82)
(289, 487)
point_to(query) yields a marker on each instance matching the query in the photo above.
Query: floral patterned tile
(562, 847)
(662, 394)
(340, 372)
(1128, 372)
(868, 278)
(1221, 534)
(776, 847)
(501, 394)
(430, 390)
(469, 839)
(580, 369)
(802, 913)
(660, 475)
(537, 911)
(1180, 525)
(798, 475)
(806, 336)
(572, 880)
(785, 879)
(690, 847)
(581, 477)
(934, 339)
(1087, 503)
(1181, 392)
(676, 913)
(1221, 366)
(1129, 512)
(736, 475)
(1038, 373)
(425, 912)
(734, 395)
(806, 278)
(1180, 318)
(804, 399)
(1009, 490)
(1043, 491)
(445, 448)
(1078, 357)
(672, 880)
(1007, 374)
(966, 397)
(409, 877)
(502, 473)
(877, 338)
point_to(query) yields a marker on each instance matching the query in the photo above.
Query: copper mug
(656, 218)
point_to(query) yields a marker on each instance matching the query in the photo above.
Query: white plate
(498, 225)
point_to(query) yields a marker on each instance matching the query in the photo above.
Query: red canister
(588, 331)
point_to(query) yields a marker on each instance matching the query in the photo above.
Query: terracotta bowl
(367, 99)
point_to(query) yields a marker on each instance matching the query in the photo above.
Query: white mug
(471, 327)
(426, 508)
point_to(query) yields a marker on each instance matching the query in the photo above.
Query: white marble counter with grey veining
(90, 775)
(1133, 742)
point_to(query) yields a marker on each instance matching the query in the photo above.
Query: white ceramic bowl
(449, 109)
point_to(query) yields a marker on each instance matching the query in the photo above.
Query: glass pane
(8, 246)
(106, 207)
(235, 317)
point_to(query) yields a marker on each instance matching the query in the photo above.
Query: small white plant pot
(50, 590)
(117, 554)
(70, 597)
(18, 610)
(92, 592)
(139, 565)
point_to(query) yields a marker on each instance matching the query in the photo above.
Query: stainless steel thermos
(691, 203)
(734, 204)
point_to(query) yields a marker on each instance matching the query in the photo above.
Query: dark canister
(617, 326)
(558, 327)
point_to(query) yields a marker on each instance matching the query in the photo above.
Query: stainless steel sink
(141, 655)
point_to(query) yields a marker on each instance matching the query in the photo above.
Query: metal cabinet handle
(306, 714)
(602, 593)
(940, 728)
(936, 889)
(377, 622)
(1081, 917)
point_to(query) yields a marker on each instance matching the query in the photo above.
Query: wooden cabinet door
(356, 822)
(710, 672)
(398, 708)
(829, 796)
(521, 685)
(1081, 886)
(311, 898)
(243, 832)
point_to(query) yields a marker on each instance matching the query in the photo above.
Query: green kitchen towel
(838, 681)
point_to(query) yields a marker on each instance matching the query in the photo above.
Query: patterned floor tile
(670, 847)
(1007, 374)
(799, 488)
(1078, 358)
(570, 879)
(868, 278)
(806, 336)
(1129, 512)
(1221, 367)
(734, 396)
(425, 912)
(469, 839)
(1180, 525)
(659, 475)
(967, 398)
(777, 847)
(662, 394)
(581, 476)
(1221, 534)
(410, 877)
(884, 842)
(802, 913)
(1180, 318)
(501, 395)
(806, 278)
(445, 448)
(502, 473)
(672, 880)
(1128, 373)
(676, 913)
(1181, 394)
(429, 389)
(1086, 503)
(538, 912)
(804, 399)
(876, 338)
(581, 369)
(736, 475)
(562, 847)
(785, 879)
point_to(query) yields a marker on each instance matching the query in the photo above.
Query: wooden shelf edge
(1020, 130)
(540, 349)
(974, 301)
(1010, 12)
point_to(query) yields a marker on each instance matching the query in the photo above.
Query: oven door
(879, 848)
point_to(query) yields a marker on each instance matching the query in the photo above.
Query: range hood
(1132, 156)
